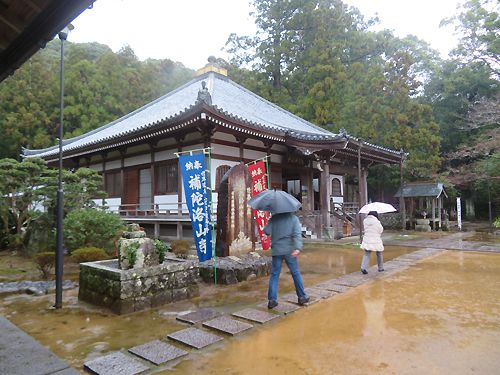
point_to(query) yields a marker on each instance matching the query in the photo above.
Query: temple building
(136, 156)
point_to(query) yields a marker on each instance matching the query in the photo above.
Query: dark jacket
(286, 233)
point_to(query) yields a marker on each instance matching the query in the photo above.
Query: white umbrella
(379, 207)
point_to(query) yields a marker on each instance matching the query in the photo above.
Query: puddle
(441, 316)
(484, 237)
(80, 332)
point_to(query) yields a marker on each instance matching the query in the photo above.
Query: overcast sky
(189, 31)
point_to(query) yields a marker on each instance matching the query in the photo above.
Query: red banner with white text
(259, 183)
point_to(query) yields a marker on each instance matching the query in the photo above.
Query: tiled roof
(227, 98)
(422, 190)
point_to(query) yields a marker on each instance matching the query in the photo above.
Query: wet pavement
(347, 325)
(440, 316)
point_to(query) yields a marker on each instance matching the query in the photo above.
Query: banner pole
(268, 173)
(256, 160)
(212, 214)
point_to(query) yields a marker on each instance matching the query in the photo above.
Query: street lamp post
(63, 35)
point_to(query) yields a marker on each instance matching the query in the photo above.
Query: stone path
(455, 241)
(207, 327)
(34, 287)
(20, 354)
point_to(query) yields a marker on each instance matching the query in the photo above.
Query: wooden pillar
(364, 187)
(433, 208)
(179, 230)
(241, 142)
(440, 209)
(179, 140)
(360, 223)
(123, 151)
(152, 146)
(104, 155)
(157, 229)
(324, 193)
(402, 207)
(310, 189)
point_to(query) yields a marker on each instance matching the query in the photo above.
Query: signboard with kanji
(196, 189)
(259, 183)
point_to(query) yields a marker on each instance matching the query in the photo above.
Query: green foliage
(91, 227)
(28, 186)
(161, 249)
(391, 221)
(478, 25)
(180, 248)
(40, 234)
(496, 223)
(129, 251)
(340, 75)
(45, 262)
(19, 192)
(88, 254)
(100, 86)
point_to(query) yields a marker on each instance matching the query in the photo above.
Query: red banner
(259, 183)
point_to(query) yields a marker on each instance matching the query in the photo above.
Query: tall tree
(478, 25)
(335, 73)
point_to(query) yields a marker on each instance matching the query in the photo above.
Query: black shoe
(272, 304)
(364, 272)
(381, 270)
(303, 300)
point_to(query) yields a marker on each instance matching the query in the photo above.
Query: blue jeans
(293, 266)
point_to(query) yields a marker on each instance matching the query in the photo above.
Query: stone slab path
(21, 354)
(207, 327)
(455, 241)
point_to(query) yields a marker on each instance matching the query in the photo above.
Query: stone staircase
(307, 233)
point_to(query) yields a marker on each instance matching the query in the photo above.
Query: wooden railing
(171, 210)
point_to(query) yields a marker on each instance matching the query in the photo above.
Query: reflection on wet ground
(441, 316)
(80, 332)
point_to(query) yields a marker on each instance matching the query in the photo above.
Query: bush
(88, 254)
(496, 223)
(161, 249)
(129, 250)
(180, 248)
(92, 228)
(391, 221)
(45, 262)
(40, 234)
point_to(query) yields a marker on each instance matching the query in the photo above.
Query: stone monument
(235, 225)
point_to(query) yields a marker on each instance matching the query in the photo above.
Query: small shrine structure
(424, 200)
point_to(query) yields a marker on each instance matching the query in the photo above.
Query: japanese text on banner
(194, 177)
(259, 183)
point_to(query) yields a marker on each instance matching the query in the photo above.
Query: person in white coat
(372, 241)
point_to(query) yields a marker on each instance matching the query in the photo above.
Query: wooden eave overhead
(27, 25)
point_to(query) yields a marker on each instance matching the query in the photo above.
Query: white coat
(372, 239)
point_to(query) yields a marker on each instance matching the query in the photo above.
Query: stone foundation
(234, 269)
(102, 283)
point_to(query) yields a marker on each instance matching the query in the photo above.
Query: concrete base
(329, 233)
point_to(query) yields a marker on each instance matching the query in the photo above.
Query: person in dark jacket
(286, 244)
